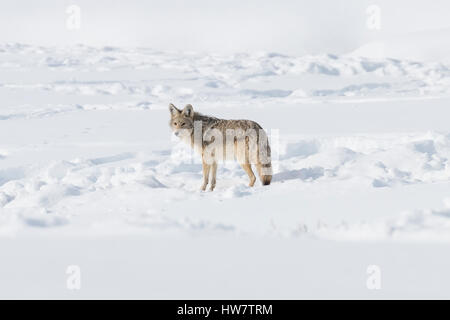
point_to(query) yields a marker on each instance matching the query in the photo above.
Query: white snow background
(91, 176)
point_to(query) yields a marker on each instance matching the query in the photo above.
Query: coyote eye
(183, 124)
(174, 123)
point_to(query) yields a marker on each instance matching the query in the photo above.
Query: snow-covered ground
(90, 175)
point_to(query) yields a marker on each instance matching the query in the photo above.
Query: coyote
(219, 140)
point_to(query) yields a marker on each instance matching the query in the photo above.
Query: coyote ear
(173, 110)
(188, 111)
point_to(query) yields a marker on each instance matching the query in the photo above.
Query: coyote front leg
(213, 175)
(206, 168)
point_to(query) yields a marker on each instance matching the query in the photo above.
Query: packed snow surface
(361, 147)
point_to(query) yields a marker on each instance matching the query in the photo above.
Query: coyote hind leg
(248, 168)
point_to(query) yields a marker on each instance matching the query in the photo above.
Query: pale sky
(295, 26)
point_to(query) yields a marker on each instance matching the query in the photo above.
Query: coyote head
(182, 121)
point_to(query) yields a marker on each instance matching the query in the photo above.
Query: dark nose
(177, 133)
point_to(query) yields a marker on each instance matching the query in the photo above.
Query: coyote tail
(264, 166)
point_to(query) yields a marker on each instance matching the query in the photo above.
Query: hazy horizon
(232, 26)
